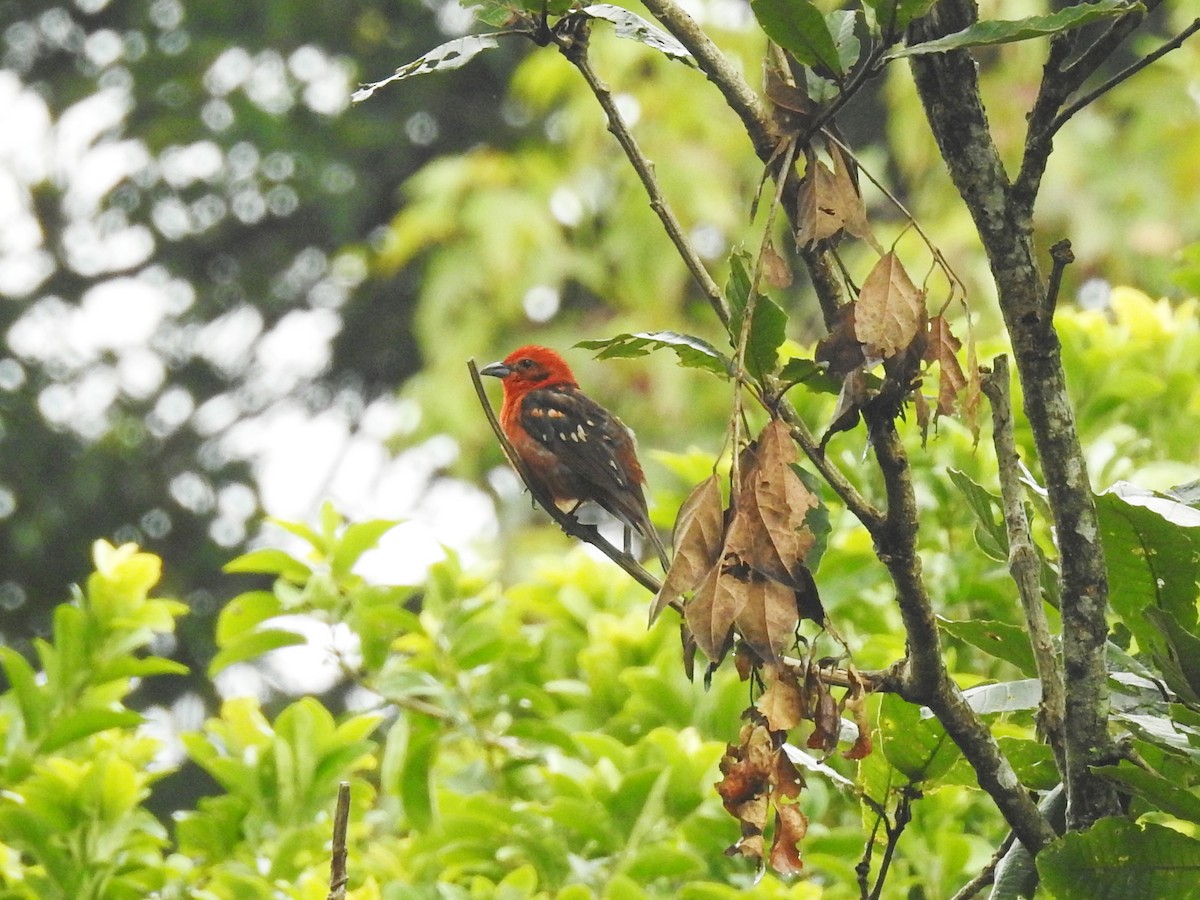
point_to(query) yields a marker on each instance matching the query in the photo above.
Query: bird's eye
(526, 363)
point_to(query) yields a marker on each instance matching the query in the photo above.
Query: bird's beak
(497, 370)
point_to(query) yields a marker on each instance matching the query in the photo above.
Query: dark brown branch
(948, 86)
(575, 50)
(1060, 257)
(1092, 96)
(338, 879)
(925, 679)
(568, 523)
(1059, 81)
(1023, 562)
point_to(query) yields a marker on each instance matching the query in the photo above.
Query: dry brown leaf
(850, 400)
(924, 415)
(782, 703)
(971, 403)
(942, 348)
(890, 311)
(841, 351)
(827, 724)
(710, 614)
(768, 619)
(697, 542)
(775, 268)
(819, 211)
(854, 213)
(856, 702)
(791, 825)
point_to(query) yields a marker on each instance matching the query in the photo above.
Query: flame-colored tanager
(575, 448)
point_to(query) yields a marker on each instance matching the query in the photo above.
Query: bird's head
(530, 368)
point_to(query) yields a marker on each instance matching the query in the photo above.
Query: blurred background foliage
(202, 237)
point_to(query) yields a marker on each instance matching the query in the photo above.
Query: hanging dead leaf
(688, 640)
(819, 212)
(775, 268)
(942, 347)
(747, 768)
(767, 620)
(782, 703)
(827, 724)
(841, 351)
(710, 614)
(890, 311)
(924, 414)
(971, 403)
(791, 825)
(856, 703)
(768, 532)
(698, 533)
(854, 215)
(850, 400)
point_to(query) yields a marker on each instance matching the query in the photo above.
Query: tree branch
(575, 50)
(338, 879)
(925, 677)
(1023, 562)
(949, 90)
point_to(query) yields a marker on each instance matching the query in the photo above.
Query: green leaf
(83, 723)
(1160, 793)
(244, 612)
(991, 533)
(357, 540)
(251, 646)
(1117, 859)
(997, 31)
(767, 328)
(270, 562)
(810, 374)
(416, 782)
(842, 24)
(893, 16)
(633, 27)
(138, 667)
(1180, 664)
(799, 27)
(918, 747)
(1153, 561)
(1005, 697)
(999, 639)
(23, 684)
(692, 352)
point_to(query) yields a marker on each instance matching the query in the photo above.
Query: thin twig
(568, 523)
(338, 879)
(1023, 562)
(903, 817)
(1091, 96)
(575, 50)
(1060, 257)
(987, 874)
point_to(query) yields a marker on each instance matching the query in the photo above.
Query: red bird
(575, 448)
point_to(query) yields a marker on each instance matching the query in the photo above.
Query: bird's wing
(586, 439)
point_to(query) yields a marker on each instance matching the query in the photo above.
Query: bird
(575, 449)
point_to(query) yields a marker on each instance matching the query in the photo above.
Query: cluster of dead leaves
(758, 775)
(744, 567)
(888, 323)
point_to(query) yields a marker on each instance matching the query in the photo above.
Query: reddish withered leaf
(850, 400)
(942, 348)
(819, 211)
(782, 703)
(856, 703)
(775, 268)
(791, 825)
(890, 311)
(827, 724)
(697, 541)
